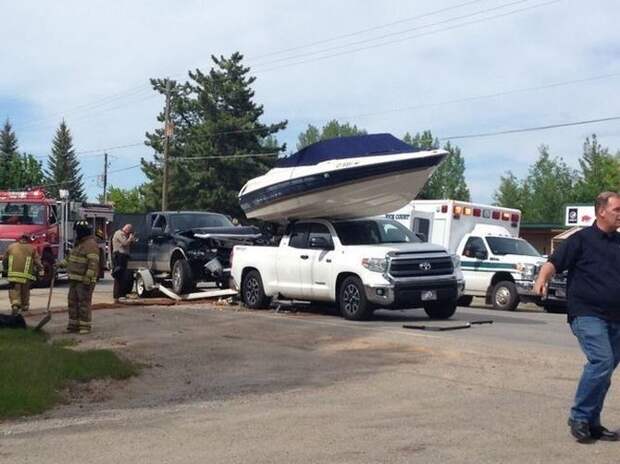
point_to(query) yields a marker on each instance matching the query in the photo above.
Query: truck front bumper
(404, 295)
(525, 289)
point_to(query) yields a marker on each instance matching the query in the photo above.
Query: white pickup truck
(359, 264)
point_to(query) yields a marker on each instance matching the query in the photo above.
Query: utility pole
(105, 178)
(167, 135)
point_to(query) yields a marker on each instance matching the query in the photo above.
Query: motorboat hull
(344, 189)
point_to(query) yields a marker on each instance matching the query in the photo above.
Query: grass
(33, 372)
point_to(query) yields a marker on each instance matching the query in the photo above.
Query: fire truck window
(22, 213)
(53, 215)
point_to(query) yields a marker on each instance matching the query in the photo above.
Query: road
(226, 385)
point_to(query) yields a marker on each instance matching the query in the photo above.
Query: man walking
(121, 242)
(82, 267)
(22, 264)
(592, 258)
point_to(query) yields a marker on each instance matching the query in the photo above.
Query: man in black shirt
(592, 258)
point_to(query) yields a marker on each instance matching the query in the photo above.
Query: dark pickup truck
(186, 247)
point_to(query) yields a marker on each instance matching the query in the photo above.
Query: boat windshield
(511, 246)
(22, 213)
(373, 232)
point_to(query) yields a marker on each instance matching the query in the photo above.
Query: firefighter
(22, 264)
(82, 268)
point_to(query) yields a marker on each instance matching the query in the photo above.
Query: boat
(340, 178)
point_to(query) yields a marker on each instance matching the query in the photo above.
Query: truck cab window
(299, 235)
(160, 223)
(320, 231)
(475, 248)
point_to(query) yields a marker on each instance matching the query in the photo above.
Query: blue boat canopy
(346, 147)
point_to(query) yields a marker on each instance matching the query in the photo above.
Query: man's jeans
(600, 341)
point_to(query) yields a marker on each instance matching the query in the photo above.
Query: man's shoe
(580, 430)
(601, 433)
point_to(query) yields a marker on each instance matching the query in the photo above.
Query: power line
(370, 29)
(392, 34)
(250, 155)
(355, 50)
(531, 129)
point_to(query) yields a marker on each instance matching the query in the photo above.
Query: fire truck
(49, 222)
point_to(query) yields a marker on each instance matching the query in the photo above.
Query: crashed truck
(181, 249)
(332, 249)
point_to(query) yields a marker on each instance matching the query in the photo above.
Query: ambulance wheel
(505, 296)
(465, 300)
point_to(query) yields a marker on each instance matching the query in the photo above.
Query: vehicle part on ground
(440, 309)
(352, 300)
(253, 292)
(182, 279)
(434, 328)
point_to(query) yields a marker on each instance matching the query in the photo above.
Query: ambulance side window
(474, 248)
(421, 228)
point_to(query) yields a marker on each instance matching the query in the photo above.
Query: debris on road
(434, 328)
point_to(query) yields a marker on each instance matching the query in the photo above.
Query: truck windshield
(22, 213)
(373, 232)
(197, 221)
(511, 246)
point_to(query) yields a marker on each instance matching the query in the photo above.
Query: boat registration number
(428, 295)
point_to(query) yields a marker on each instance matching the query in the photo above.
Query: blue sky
(89, 63)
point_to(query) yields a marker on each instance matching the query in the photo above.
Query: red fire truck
(50, 222)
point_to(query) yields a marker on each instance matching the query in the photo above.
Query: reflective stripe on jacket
(83, 261)
(21, 258)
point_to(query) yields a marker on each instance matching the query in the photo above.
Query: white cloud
(68, 53)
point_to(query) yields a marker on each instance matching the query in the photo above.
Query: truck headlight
(456, 261)
(375, 264)
(527, 270)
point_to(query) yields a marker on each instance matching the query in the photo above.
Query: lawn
(34, 371)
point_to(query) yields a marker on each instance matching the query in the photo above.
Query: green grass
(33, 372)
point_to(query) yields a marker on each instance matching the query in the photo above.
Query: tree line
(20, 170)
(220, 142)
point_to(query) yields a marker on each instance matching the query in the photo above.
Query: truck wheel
(440, 309)
(253, 292)
(352, 300)
(465, 300)
(504, 296)
(141, 288)
(182, 279)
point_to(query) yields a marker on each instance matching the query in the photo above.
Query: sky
(393, 66)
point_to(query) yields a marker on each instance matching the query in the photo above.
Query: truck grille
(4, 244)
(425, 265)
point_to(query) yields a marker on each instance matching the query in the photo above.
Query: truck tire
(253, 292)
(352, 300)
(182, 278)
(504, 296)
(440, 309)
(141, 288)
(465, 300)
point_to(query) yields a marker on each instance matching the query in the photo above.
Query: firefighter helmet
(82, 229)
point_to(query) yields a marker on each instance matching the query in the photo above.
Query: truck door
(290, 259)
(477, 275)
(316, 272)
(158, 242)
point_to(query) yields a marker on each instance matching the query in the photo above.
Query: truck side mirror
(320, 243)
(421, 236)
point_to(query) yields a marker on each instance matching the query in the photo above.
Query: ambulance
(496, 264)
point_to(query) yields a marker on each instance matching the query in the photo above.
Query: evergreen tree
(448, 180)
(23, 171)
(511, 193)
(600, 171)
(63, 167)
(331, 130)
(8, 151)
(216, 119)
(126, 201)
(549, 188)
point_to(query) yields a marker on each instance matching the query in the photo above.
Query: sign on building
(579, 215)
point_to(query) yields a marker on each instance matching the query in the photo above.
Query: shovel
(48, 316)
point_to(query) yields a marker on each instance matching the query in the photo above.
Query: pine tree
(63, 167)
(331, 130)
(600, 171)
(8, 151)
(511, 192)
(215, 118)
